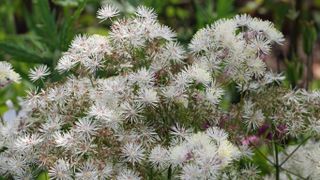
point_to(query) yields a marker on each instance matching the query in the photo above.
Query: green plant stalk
(276, 165)
(169, 173)
(265, 157)
(309, 70)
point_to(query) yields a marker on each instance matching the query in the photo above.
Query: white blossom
(39, 72)
(106, 12)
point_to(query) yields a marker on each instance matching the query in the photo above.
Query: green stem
(169, 173)
(277, 166)
(265, 157)
(91, 81)
(309, 70)
(1, 120)
(151, 174)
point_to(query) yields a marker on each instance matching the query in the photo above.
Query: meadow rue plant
(135, 104)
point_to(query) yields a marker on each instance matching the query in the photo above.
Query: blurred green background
(38, 31)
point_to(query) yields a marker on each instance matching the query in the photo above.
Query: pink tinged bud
(205, 125)
(263, 129)
(250, 140)
(281, 130)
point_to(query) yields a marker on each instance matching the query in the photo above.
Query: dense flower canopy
(136, 103)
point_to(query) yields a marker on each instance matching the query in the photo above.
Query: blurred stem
(91, 81)
(151, 173)
(294, 33)
(309, 70)
(1, 120)
(265, 157)
(169, 172)
(10, 18)
(276, 165)
(278, 65)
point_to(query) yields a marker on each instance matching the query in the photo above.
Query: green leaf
(43, 176)
(44, 23)
(259, 159)
(204, 13)
(309, 34)
(67, 3)
(22, 54)
(66, 33)
(294, 71)
(224, 8)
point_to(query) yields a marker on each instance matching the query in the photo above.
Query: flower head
(39, 72)
(61, 170)
(133, 153)
(107, 11)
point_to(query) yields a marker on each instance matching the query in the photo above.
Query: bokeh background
(38, 31)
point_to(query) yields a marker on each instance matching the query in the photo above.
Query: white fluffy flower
(159, 157)
(66, 63)
(86, 127)
(148, 97)
(145, 12)
(254, 118)
(214, 94)
(51, 126)
(64, 139)
(199, 75)
(39, 72)
(128, 174)
(133, 153)
(174, 52)
(107, 11)
(27, 141)
(106, 172)
(227, 152)
(178, 154)
(203, 156)
(180, 132)
(144, 78)
(87, 171)
(101, 112)
(191, 171)
(61, 170)
(131, 111)
(217, 134)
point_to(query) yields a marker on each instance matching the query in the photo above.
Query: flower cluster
(135, 104)
(236, 49)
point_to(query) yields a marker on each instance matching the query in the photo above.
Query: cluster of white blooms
(202, 155)
(7, 74)
(132, 106)
(110, 116)
(236, 49)
(293, 113)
